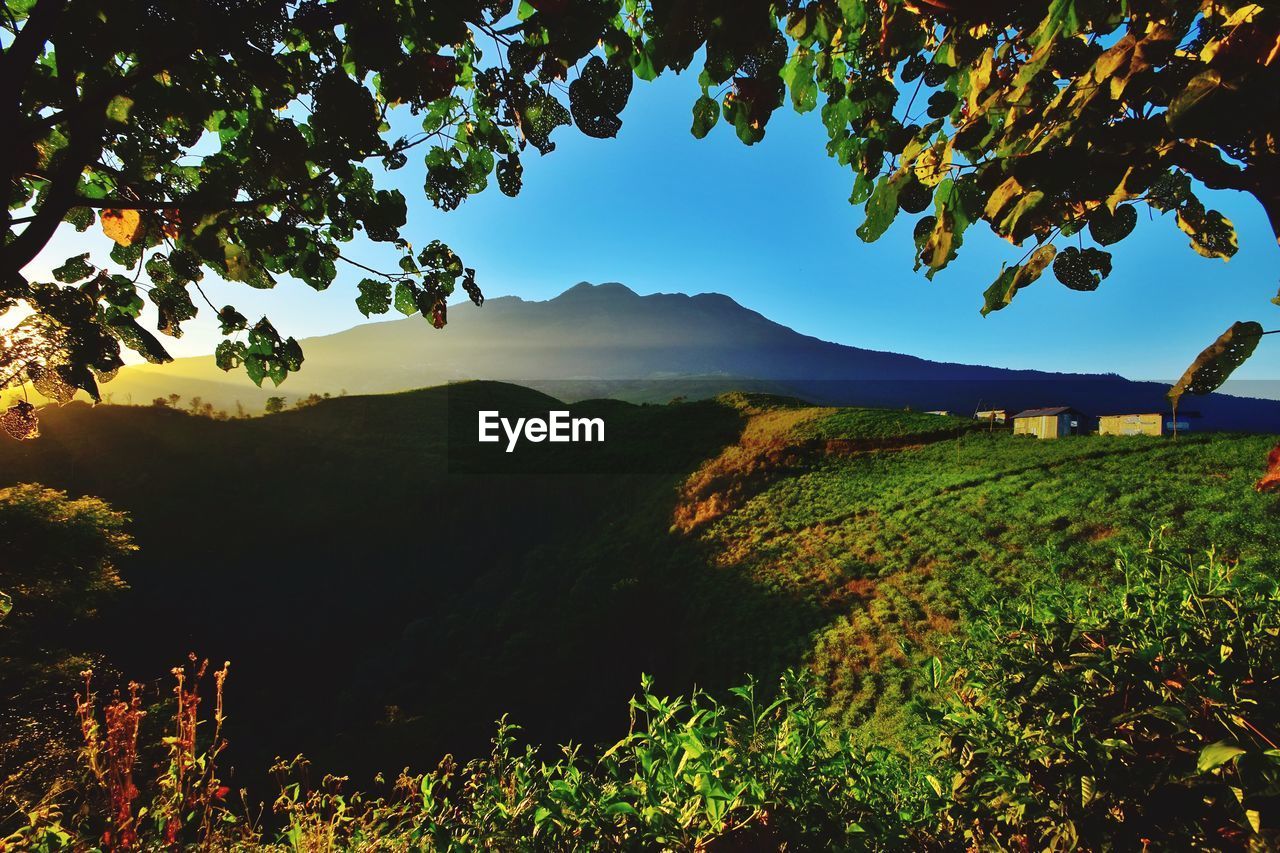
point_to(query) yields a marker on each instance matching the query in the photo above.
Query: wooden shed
(1145, 423)
(1052, 422)
(995, 415)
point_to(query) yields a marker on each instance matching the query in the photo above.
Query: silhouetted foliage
(204, 141)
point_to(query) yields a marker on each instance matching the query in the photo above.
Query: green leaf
(1217, 754)
(80, 217)
(74, 269)
(798, 74)
(935, 673)
(952, 216)
(230, 320)
(375, 296)
(131, 334)
(942, 103)
(882, 207)
(597, 96)
(406, 299)
(118, 109)
(228, 355)
(706, 112)
(1107, 228)
(1082, 269)
(1199, 92)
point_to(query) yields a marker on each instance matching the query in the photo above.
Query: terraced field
(897, 546)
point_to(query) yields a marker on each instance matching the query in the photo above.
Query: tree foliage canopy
(246, 138)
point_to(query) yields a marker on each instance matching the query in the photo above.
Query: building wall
(1147, 424)
(1046, 426)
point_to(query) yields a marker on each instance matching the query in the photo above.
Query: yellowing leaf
(1212, 367)
(1211, 233)
(933, 164)
(118, 108)
(1270, 481)
(1014, 278)
(980, 78)
(123, 226)
(1003, 194)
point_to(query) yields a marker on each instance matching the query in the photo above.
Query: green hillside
(382, 609)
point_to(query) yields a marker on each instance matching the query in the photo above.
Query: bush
(693, 774)
(60, 554)
(58, 558)
(1143, 717)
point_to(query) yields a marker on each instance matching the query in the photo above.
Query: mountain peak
(585, 289)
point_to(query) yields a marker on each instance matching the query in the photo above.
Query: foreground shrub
(58, 565)
(1142, 718)
(692, 774)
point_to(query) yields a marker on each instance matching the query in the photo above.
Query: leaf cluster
(1147, 716)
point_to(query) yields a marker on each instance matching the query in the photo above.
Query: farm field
(899, 547)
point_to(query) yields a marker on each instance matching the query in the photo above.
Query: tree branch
(28, 44)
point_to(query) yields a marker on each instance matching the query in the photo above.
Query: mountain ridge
(605, 339)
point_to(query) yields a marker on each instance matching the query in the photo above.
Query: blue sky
(771, 226)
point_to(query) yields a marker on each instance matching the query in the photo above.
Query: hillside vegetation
(382, 608)
(897, 531)
(1138, 715)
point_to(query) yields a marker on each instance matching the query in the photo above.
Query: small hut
(1052, 422)
(1145, 423)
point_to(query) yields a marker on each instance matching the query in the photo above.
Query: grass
(898, 547)
(860, 423)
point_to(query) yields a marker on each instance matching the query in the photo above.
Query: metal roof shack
(1145, 423)
(1044, 413)
(1049, 422)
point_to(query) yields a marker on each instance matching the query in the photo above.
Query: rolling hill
(605, 340)
(381, 607)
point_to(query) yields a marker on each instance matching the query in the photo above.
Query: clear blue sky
(771, 226)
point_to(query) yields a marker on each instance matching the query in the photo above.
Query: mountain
(606, 340)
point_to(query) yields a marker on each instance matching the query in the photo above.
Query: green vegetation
(60, 565)
(61, 559)
(858, 424)
(898, 547)
(1142, 715)
(722, 533)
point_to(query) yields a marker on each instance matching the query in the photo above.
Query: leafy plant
(1141, 716)
(1139, 713)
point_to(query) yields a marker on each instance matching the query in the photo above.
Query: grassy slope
(381, 611)
(896, 546)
